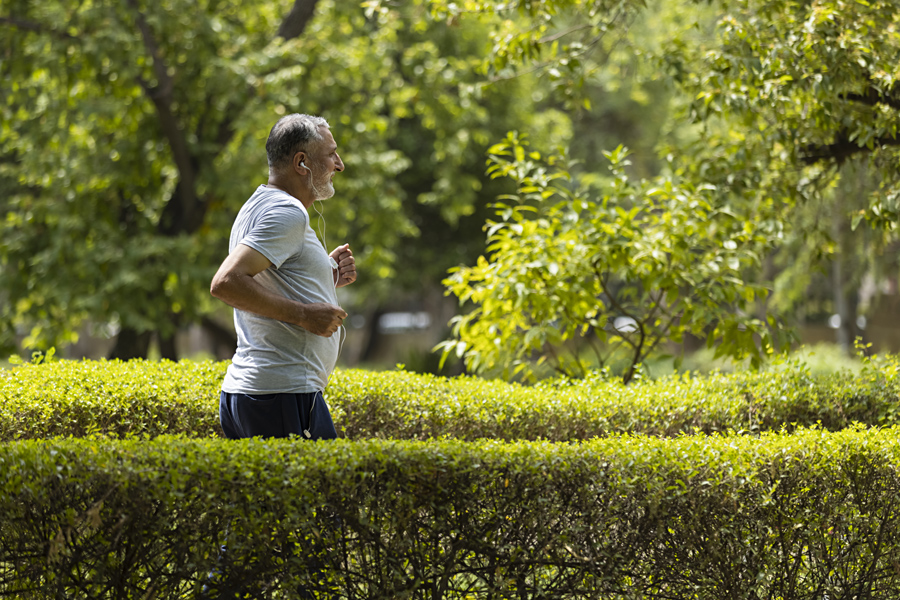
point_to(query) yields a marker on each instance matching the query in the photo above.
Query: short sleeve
(278, 233)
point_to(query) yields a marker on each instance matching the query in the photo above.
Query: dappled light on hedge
(779, 516)
(754, 485)
(147, 399)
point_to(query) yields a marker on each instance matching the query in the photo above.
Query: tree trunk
(373, 336)
(846, 299)
(224, 339)
(842, 331)
(297, 20)
(167, 348)
(185, 211)
(130, 344)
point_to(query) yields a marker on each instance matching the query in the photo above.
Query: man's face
(325, 161)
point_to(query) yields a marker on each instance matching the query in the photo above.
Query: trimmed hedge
(409, 406)
(809, 515)
(112, 398)
(120, 399)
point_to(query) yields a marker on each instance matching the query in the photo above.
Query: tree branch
(166, 83)
(587, 47)
(293, 25)
(642, 334)
(874, 97)
(185, 210)
(842, 148)
(182, 208)
(592, 342)
(657, 304)
(296, 21)
(558, 366)
(562, 34)
(36, 27)
(604, 288)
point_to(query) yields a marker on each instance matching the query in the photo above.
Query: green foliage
(131, 133)
(146, 399)
(796, 112)
(561, 39)
(798, 516)
(726, 515)
(788, 109)
(606, 260)
(408, 406)
(818, 360)
(817, 81)
(117, 398)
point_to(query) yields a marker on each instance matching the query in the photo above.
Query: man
(282, 285)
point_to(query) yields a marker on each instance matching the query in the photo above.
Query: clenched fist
(322, 319)
(345, 274)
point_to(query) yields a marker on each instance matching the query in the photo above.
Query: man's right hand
(322, 319)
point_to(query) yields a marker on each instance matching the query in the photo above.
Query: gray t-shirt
(273, 356)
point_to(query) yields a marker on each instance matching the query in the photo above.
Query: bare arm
(235, 285)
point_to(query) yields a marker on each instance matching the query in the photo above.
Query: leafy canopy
(780, 96)
(132, 132)
(605, 260)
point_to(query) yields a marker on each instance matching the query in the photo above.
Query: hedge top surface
(119, 398)
(268, 465)
(143, 398)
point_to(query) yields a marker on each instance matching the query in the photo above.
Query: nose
(340, 164)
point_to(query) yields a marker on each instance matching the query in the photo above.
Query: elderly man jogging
(283, 284)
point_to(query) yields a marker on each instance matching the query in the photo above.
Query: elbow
(218, 286)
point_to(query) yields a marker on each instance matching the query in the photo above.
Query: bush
(809, 515)
(116, 398)
(406, 406)
(142, 398)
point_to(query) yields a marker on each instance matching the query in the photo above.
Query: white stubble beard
(324, 190)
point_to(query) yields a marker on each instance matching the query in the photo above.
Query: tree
(132, 132)
(605, 261)
(781, 96)
(115, 159)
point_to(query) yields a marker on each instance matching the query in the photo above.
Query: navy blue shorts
(276, 416)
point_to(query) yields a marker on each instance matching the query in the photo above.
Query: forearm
(243, 292)
(235, 285)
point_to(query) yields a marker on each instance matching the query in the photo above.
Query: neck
(292, 187)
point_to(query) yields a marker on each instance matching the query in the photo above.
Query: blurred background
(132, 132)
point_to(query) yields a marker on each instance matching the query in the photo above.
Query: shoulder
(275, 205)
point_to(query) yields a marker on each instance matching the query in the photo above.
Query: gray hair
(290, 135)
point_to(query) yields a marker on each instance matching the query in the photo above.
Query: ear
(299, 157)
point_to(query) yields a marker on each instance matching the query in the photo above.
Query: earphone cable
(321, 225)
(322, 230)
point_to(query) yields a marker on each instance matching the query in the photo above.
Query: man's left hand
(345, 274)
